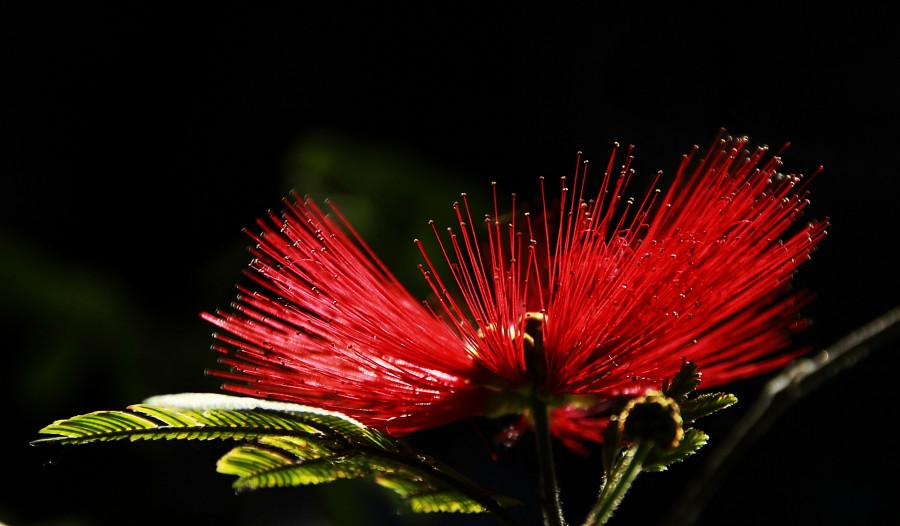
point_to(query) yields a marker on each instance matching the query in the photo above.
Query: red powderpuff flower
(581, 302)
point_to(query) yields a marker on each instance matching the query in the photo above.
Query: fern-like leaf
(423, 497)
(685, 381)
(705, 405)
(660, 460)
(264, 467)
(285, 445)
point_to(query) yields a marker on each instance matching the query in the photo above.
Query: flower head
(591, 296)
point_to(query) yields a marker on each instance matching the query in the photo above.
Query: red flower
(583, 301)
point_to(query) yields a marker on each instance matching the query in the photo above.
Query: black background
(137, 139)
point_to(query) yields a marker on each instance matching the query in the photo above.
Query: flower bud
(652, 417)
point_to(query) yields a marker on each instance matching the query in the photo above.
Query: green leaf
(683, 383)
(200, 416)
(424, 497)
(422, 483)
(287, 445)
(705, 405)
(660, 460)
(264, 467)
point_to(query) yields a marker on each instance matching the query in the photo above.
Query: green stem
(549, 486)
(617, 483)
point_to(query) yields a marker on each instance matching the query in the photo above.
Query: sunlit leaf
(284, 445)
(705, 405)
(660, 460)
(685, 381)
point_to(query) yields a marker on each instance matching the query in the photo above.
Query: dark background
(137, 139)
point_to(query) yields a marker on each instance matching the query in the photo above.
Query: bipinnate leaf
(660, 460)
(423, 497)
(420, 482)
(685, 381)
(257, 466)
(285, 445)
(704, 405)
(206, 416)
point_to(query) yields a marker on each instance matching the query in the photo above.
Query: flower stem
(618, 481)
(549, 486)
